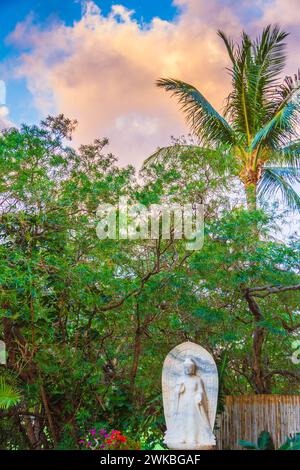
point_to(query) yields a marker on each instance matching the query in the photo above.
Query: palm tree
(259, 122)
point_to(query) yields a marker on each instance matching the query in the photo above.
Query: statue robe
(190, 425)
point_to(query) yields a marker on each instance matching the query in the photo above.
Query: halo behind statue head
(205, 368)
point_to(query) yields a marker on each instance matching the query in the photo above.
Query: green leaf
(291, 443)
(265, 441)
(248, 445)
(9, 396)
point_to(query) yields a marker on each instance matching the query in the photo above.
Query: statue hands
(199, 397)
(180, 389)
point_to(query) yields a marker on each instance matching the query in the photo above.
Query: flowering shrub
(102, 440)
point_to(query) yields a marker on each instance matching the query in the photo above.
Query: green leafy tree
(249, 295)
(87, 323)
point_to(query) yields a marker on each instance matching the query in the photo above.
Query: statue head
(189, 366)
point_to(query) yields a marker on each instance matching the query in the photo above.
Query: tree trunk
(251, 196)
(259, 335)
(17, 347)
(48, 413)
(136, 357)
(258, 375)
(137, 347)
(30, 432)
(250, 179)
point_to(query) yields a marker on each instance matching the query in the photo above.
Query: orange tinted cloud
(102, 69)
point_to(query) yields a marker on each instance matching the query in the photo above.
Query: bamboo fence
(245, 416)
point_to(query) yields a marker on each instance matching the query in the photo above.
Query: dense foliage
(87, 322)
(265, 442)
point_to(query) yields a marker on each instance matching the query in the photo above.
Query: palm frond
(269, 58)
(288, 155)
(269, 52)
(279, 130)
(289, 88)
(282, 127)
(255, 72)
(220, 158)
(204, 120)
(280, 180)
(229, 45)
(9, 396)
(164, 154)
(288, 92)
(237, 105)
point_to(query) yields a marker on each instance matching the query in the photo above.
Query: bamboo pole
(246, 416)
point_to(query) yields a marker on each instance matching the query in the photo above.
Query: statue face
(189, 369)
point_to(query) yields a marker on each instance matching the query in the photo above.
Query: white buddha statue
(189, 427)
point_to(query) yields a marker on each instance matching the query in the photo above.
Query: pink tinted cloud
(286, 13)
(102, 69)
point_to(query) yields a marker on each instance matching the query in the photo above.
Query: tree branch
(268, 290)
(284, 372)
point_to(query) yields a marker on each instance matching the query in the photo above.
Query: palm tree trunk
(251, 196)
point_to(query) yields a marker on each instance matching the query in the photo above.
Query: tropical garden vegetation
(87, 323)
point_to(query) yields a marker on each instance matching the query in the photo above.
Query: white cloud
(102, 69)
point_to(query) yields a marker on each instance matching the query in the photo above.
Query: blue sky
(14, 11)
(68, 11)
(44, 12)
